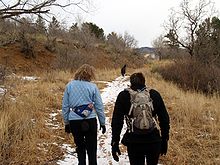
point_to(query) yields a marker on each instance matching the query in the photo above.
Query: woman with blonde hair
(81, 104)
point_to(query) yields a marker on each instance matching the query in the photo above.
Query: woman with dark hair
(148, 146)
(81, 104)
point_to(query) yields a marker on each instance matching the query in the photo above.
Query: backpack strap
(131, 108)
(132, 95)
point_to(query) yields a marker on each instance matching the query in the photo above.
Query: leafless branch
(35, 7)
(3, 3)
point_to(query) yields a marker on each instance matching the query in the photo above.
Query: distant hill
(145, 50)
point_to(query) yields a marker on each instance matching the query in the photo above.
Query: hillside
(65, 56)
(12, 57)
(145, 50)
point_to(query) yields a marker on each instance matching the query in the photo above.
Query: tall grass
(27, 136)
(23, 129)
(195, 124)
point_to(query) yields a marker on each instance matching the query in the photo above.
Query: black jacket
(122, 107)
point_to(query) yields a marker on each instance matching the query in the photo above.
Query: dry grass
(24, 133)
(195, 124)
(27, 138)
(25, 121)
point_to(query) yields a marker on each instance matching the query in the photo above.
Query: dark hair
(137, 79)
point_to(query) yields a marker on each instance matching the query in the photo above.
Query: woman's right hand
(103, 128)
(67, 128)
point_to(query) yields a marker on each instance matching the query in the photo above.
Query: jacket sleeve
(162, 114)
(65, 107)
(99, 107)
(118, 118)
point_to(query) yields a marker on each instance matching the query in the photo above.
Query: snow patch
(2, 90)
(110, 93)
(30, 78)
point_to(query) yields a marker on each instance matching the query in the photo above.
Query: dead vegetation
(28, 128)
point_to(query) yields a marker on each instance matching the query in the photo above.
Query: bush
(27, 45)
(2, 74)
(50, 45)
(193, 75)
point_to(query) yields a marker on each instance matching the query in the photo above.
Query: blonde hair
(85, 72)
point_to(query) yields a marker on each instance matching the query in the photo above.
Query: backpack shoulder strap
(147, 92)
(132, 95)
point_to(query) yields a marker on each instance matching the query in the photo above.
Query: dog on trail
(123, 70)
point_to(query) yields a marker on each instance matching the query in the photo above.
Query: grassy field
(30, 135)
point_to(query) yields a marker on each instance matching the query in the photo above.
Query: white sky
(140, 18)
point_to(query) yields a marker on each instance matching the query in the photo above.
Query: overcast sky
(142, 19)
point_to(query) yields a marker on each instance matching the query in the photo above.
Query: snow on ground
(29, 78)
(2, 91)
(109, 95)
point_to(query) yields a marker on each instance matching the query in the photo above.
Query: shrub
(191, 74)
(2, 74)
(27, 46)
(50, 45)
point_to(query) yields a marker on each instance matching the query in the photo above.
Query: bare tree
(183, 24)
(11, 9)
(159, 46)
(116, 41)
(162, 50)
(130, 41)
